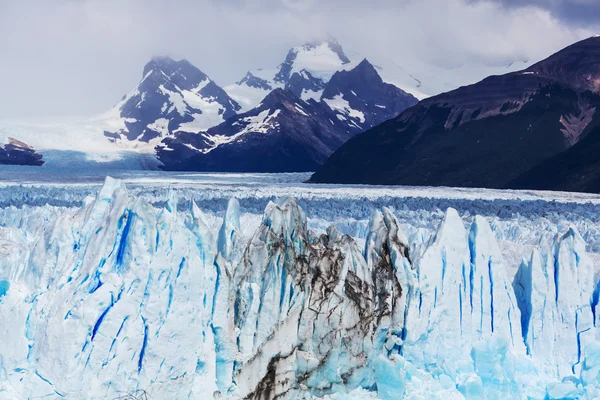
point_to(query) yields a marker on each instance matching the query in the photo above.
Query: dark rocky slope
(287, 134)
(18, 153)
(283, 134)
(483, 135)
(574, 170)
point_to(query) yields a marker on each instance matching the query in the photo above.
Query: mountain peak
(321, 58)
(254, 81)
(361, 96)
(173, 95)
(365, 66)
(163, 59)
(333, 45)
(531, 129)
(329, 39)
(158, 63)
(182, 73)
(577, 65)
(361, 78)
(279, 96)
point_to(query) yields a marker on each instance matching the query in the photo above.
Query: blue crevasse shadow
(4, 286)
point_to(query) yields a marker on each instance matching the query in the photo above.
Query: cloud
(575, 12)
(78, 57)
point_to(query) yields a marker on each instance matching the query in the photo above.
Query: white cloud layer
(78, 57)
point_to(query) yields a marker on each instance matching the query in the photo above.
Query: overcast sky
(78, 57)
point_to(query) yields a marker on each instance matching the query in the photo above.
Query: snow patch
(311, 95)
(338, 103)
(161, 126)
(264, 122)
(320, 61)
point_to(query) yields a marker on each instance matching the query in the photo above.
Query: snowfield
(258, 285)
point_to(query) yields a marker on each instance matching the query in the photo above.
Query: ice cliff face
(120, 296)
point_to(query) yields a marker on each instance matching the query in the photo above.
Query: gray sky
(78, 57)
(577, 12)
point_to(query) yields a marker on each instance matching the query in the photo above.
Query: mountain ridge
(481, 135)
(283, 134)
(171, 101)
(172, 95)
(289, 126)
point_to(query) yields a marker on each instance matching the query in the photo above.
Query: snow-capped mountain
(130, 298)
(489, 134)
(306, 69)
(15, 152)
(285, 133)
(175, 97)
(305, 72)
(361, 97)
(172, 96)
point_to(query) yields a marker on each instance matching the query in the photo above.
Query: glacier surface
(210, 289)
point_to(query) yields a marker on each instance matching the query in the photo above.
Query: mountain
(361, 97)
(175, 97)
(483, 135)
(285, 133)
(305, 71)
(307, 68)
(172, 96)
(18, 153)
(575, 170)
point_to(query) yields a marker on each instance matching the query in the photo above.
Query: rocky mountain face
(288, 119)
(172, 96)
(360, 97)
(285, 133)
(576, 170)
(576, 66)
(18, 153)
(484, 135)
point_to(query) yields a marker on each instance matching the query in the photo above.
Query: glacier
(183, 293)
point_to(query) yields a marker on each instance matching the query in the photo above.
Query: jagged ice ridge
(120, 295)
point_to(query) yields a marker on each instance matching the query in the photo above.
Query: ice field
(257, 286)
